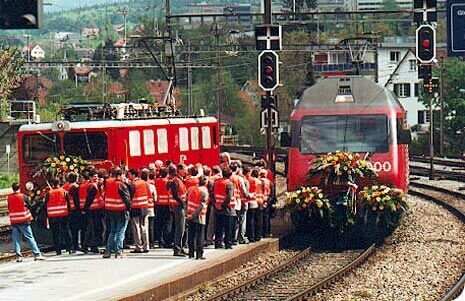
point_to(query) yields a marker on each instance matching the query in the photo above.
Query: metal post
(441, 117)
(267, 11)
(218, 75)
(431, 137)
(269, 135)
(189, 81)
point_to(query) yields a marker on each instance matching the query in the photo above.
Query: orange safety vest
(67, 187)
(182, 190)
(252, 189)
(219, 191)
(194, 196)
(259, 196)
(98, 202)
(141, 194)
(266, 189)
(150, 200)
(191, 181)
(57, 206)
(83, 193)
(237, 187)
(163, 195)
(19, 213)
(113, 200)
(244, 199)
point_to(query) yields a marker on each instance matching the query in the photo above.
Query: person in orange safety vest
(197, 202)
(57, 204)
(19, 210)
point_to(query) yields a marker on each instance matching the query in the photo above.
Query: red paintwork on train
(319, 100)
(134, 143)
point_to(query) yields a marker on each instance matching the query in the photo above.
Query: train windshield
(323, 134)
(88, 145)
(37, 148)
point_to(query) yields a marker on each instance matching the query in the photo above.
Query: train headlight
(29, 186)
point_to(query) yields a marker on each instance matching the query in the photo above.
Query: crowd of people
(167, 205)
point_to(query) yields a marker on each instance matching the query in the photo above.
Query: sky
(59, 5)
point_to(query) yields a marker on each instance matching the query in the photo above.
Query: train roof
(348, 92)
(101, 124)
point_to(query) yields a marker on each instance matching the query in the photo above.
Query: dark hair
(172, 171)
(72, 177)
(254, 173)
(207, 170)
(226, 172)
(163, 173)
(134, 172)
(15, 186)
(92, 173)
(117, 172)
(245, 170)
(233, 166)
(193, 171)
(144, 174)
(54, 182)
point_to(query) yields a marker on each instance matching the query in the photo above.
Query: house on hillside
(33, 51)
(158, 89)
(83, 74)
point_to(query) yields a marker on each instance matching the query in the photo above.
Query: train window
(88, 145)
(37, 148)
(162, 138)
(149, 142)
(366, 133)
(206, 141)
(195, 138)
(183, 139)
(134, 143)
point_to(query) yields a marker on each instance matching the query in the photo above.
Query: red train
(349, 113)
(134, 140)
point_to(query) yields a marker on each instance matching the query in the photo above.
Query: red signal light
(268, 70)
(425, 43)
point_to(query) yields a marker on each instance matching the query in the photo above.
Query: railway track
(291, 280)
(456, 205)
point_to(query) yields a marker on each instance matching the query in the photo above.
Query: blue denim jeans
(116, 235)
(24, 229)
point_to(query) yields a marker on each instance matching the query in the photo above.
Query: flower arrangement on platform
(342, 167)
(55, 165)
(309, 200)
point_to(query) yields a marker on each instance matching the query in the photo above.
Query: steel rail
(457, 289)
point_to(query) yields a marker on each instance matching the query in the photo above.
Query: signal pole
(269, 130)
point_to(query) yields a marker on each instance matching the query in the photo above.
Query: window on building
(183, 139)
(134, 143)
(402, 90)
(417, 89)
(37, 148)
(394, 56)
(162, 138)
(206, 141)
(195, 138)
(423, 117)
(413, 65)
(149, 142)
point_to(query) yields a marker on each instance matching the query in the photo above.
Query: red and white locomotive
(350, 113)
(133, 135)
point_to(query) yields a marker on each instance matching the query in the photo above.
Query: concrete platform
(152, 276)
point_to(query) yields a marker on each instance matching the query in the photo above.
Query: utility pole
(189, 81)
(218, 74)
(441, 117)
(431, 137)
(28, 51)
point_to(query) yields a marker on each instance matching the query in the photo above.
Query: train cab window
(206, 138)
(134, 143)
(162, 138)
(37, 148)
(183, 139)
(88, 145)
(194, 138)
(323, 134)
(149, 142)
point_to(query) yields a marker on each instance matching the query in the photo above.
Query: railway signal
(21, 14)
(426, 44)
(268, 70)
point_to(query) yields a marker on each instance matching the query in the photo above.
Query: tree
(11, 75)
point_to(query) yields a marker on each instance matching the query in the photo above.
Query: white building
(33, 51)
(397, 71)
